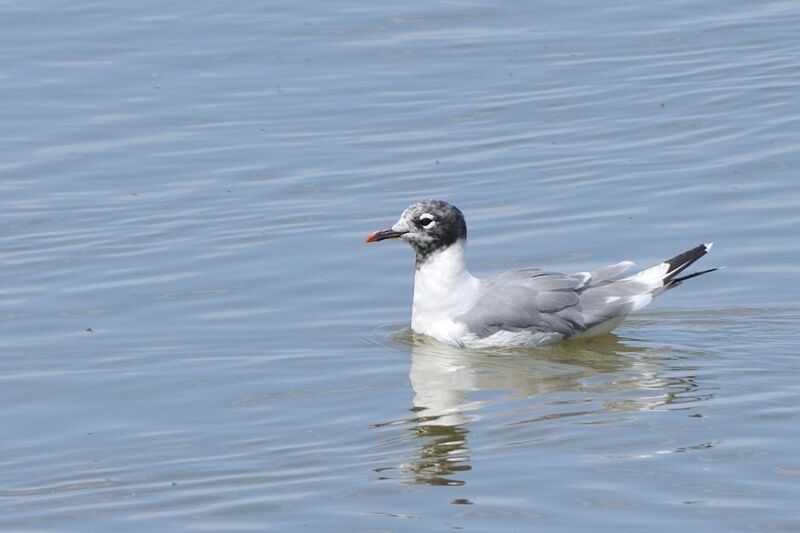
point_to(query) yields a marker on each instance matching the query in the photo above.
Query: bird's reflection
(444, 379)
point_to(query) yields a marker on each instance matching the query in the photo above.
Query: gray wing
(540, 301)
(529, 299)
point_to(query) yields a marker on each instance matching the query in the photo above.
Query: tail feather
(613, 299)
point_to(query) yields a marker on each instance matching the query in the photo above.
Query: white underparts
(443, 290)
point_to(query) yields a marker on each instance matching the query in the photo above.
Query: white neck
(443, 287)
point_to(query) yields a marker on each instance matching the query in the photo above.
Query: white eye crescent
(426, 220)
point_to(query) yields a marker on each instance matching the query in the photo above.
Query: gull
(521, 307)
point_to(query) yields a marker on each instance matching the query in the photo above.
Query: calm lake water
(195, 337)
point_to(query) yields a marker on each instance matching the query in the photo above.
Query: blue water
(193, 335)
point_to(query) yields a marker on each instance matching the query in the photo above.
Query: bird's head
(427, 226)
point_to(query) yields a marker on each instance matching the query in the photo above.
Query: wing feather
(528, 299)
(542, 302)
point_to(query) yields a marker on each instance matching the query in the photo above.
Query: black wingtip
(692, 275)
(681, 262)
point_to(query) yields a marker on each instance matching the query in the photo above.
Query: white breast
(443, 290)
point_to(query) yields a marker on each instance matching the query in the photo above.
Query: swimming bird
(521, 307)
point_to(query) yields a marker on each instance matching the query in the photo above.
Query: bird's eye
(425, 220)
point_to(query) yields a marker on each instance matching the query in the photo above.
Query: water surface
(195, 337)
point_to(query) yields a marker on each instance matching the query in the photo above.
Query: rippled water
(195, 337)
